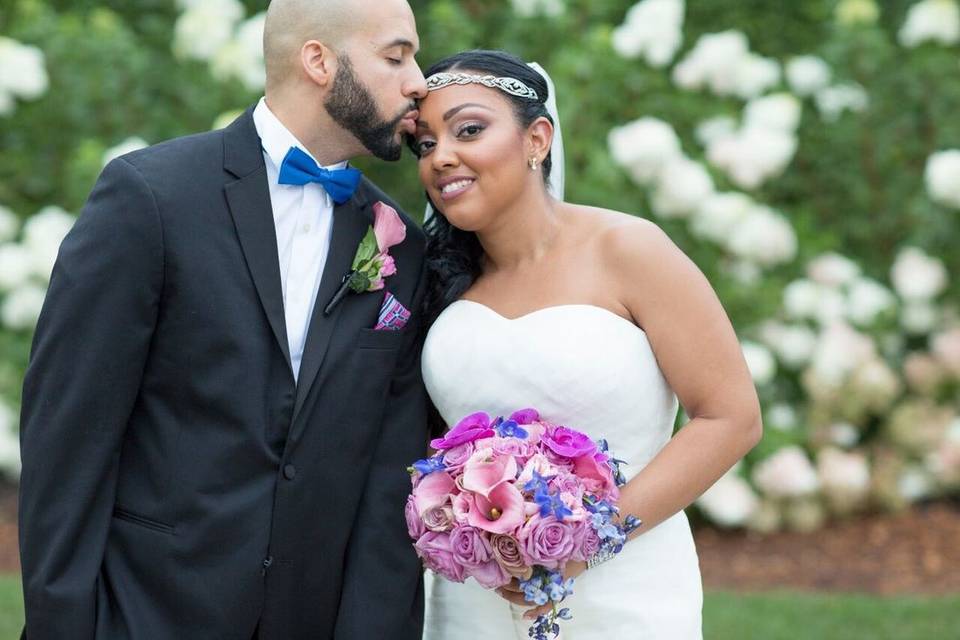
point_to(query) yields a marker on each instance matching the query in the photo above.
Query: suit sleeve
(87, 361)
(382, 573)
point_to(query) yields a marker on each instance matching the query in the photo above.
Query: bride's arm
(700, 356)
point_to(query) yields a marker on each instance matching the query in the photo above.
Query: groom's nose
(416, 87)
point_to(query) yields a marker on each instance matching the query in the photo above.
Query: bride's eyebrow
(452, 112)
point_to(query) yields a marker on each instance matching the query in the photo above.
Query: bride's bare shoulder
(620, 235)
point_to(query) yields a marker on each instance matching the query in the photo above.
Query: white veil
(556, 183)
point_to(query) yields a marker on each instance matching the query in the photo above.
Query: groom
(206, 453)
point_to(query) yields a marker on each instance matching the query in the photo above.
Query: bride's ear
(539, 139)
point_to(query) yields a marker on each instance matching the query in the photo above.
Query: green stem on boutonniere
(356, 281)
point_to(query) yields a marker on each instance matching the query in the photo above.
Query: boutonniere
(373, 262)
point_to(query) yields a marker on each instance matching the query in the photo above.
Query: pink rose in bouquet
(515, 498)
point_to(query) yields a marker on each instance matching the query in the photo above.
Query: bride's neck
(524, 233)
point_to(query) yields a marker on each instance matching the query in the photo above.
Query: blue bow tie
(299, 168)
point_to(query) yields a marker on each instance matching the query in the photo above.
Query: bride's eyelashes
(465, 131)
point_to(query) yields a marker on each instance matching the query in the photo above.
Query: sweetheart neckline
(554, 307)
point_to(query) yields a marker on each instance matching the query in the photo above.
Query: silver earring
(533, 164)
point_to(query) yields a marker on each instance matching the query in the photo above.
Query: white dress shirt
(303, 217)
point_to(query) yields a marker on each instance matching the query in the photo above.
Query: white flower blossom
(942, 177)
(779, 111)
(205, 27)
(919, 317)
(753, 155)
(792, 343)
(9, 224)
(21, 307)
(840, 351)
(931, 21)
(644, 146)
(764, 237)
(782, 417)
(718, 215)
(788, 473)
(42, 235)
(22, 71)
(15, 266)
(853, 12)
(242, 56)
(763, 368)
(531, 8)
(9, 443)
(652, 29)
(730, 502)
(867, 299)
(127, 146)
(915, 483)
(713, 129)
(723, 63)
(843, 434)
(832, 269)
(833, 101)
(807, 74)
(680, 188)
(917, 276)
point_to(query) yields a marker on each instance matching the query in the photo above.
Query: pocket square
(393, 315)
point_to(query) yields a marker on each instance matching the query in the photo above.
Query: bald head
(291, 23)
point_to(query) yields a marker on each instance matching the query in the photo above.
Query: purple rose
(470, 547)
(473, 427)
(439, 518)
(586, 541)
(437, 556)
(456, 457)
(569, 443)
(506, 551)
(414, 524)
(546, 541)
(519, 449)
(525, 416)
(490, 575)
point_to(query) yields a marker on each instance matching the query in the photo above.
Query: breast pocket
(380, 339)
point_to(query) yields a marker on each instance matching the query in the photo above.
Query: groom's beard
(352, 107)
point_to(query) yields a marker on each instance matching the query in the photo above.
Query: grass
(731, 616)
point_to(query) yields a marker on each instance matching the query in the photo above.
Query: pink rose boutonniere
(373, 262)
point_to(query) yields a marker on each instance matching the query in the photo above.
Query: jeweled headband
(505, 84)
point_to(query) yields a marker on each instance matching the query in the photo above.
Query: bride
(593, 317)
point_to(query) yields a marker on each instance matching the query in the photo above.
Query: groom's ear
(319, 62)
(539, 138)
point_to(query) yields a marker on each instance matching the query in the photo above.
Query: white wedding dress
(587, 368)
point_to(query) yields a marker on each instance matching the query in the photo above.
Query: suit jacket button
(289, 471)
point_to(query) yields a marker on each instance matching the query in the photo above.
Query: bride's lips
(454, 186)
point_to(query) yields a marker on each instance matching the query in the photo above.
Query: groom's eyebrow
(452, 112)
(404, 43)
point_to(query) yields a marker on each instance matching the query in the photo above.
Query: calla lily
(502, 512)
(387, 226)
(486, 469)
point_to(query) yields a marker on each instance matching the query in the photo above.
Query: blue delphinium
(618, 477)
(550, 503)
(429, 465)
(510, 429)
(542, 587)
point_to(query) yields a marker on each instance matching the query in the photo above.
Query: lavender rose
(414, 524)
(470, 547)
(456, 457)
(439, 518)
(546, 541)
(506, 551)
(437, 556)
(569, 443)
(586, 541)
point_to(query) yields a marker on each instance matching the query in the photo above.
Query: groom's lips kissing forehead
(409, 122)
(454, 186)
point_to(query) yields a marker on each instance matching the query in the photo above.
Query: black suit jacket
(176, 482)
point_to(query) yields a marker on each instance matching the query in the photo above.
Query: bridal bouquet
(516, 498)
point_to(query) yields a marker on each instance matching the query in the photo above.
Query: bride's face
(472, 154)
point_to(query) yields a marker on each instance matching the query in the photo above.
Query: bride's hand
(513, 593)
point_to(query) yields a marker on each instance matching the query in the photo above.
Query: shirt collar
(277, 139)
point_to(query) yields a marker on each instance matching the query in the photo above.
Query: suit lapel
(249, 202)
(350, 223)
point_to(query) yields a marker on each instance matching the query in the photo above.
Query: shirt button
(289, 471)
(306, 228)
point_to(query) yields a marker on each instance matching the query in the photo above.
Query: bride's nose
(444, 156)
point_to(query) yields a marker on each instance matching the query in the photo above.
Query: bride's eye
(424, 146)
(470, 130)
